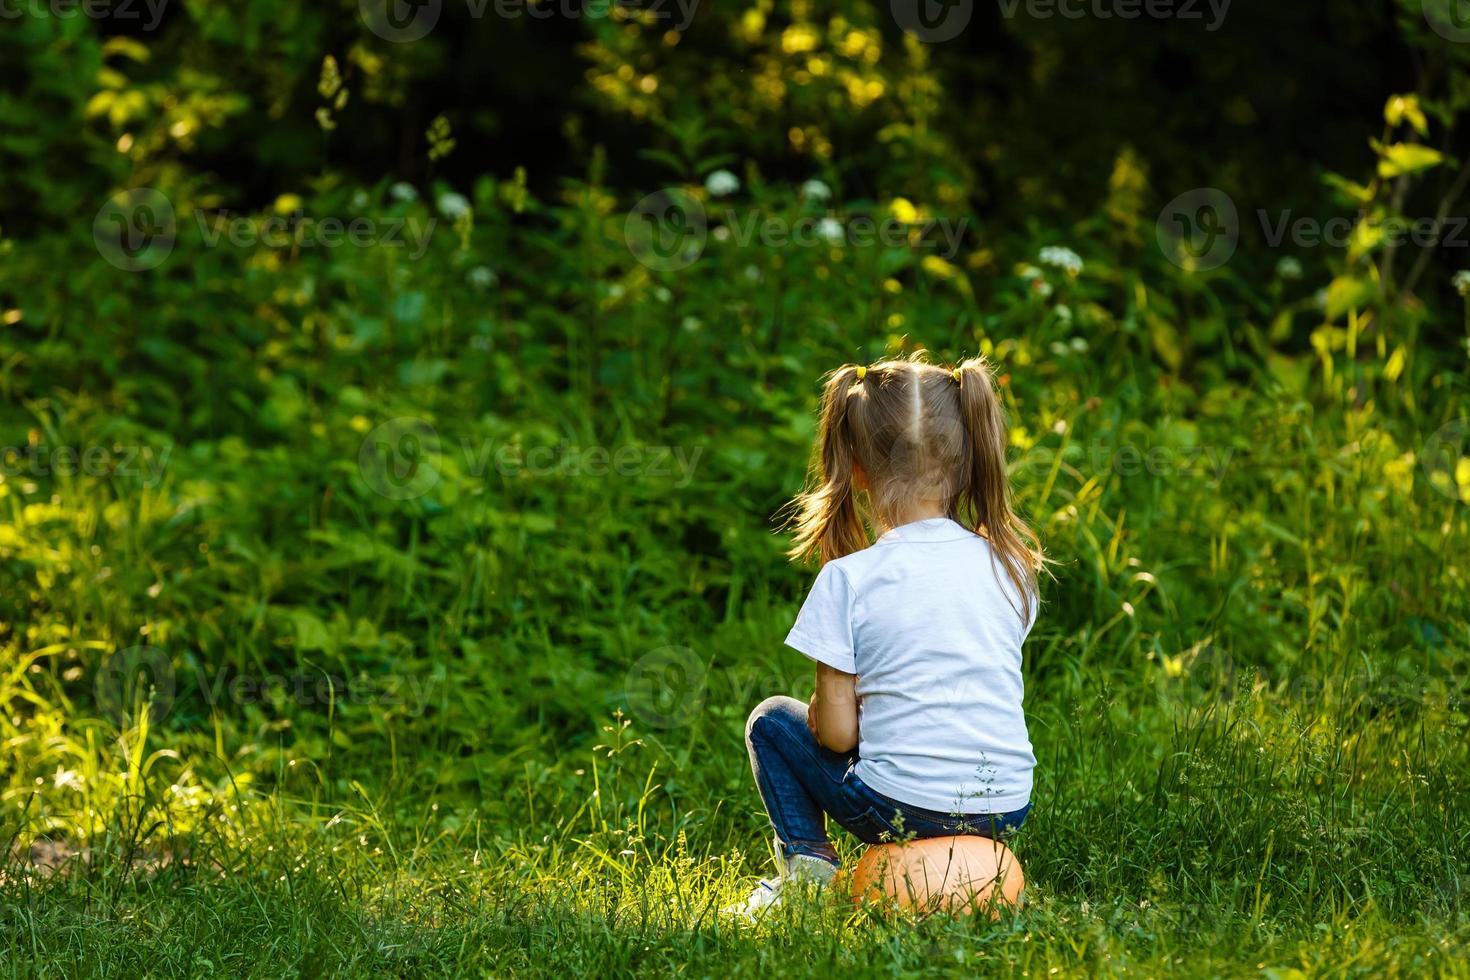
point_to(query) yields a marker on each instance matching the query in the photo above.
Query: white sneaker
(801, 870)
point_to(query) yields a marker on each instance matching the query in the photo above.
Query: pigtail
(983, 502)
(827, 522)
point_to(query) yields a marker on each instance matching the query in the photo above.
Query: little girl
(915, 729)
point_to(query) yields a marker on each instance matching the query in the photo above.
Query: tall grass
(406, 734)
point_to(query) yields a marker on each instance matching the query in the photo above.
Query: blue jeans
(799, 781)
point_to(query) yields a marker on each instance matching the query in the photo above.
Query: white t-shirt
(929, 621)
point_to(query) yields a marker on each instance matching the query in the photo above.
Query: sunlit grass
(400, 734)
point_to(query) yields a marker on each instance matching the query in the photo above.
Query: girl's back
(915, 728)
(932, 628)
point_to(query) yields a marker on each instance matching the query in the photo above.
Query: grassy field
(454, 695)
(370, 609)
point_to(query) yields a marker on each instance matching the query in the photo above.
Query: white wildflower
(1289, 267)
(1062, 258)
(815, 190)
(453, 206)
(721, 183)
(830, 230)
(1036, 279)
(1461, 282)
(482, 277)
(403, 191)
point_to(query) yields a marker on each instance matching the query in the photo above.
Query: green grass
(496, 728)
(1259, 841)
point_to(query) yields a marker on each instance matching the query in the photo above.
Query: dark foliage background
(350, 513)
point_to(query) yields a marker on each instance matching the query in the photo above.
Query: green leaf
(1166, 341)
(1353, 191)
(1406, 158)
(311, 632)
(1366, 236)
(1347, 293)
(1405, 108)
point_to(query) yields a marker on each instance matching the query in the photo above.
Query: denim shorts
(888, 819)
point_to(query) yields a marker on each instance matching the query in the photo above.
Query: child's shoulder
(888, 557)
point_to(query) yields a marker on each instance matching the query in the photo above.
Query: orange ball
(956, 874)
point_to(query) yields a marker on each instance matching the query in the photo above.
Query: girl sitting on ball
(915, 729)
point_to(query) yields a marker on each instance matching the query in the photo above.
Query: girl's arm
(833, 713)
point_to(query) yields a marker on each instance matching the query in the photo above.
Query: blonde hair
(917, 431)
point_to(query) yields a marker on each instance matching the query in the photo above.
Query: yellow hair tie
(862, 373)
(956, 373)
